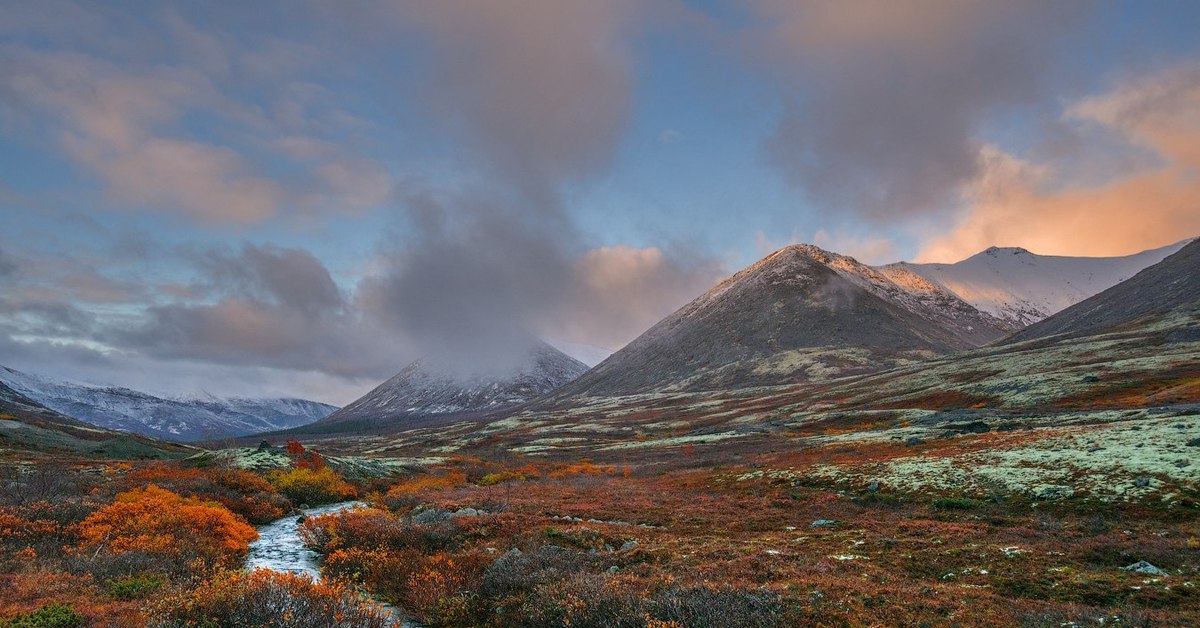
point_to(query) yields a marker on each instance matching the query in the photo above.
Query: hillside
(798, 314)
(1020, 287)
(1172, 285)
(420, 390)
(181, 419)
(27, 426)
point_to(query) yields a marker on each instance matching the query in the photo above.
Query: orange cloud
(1019, 203)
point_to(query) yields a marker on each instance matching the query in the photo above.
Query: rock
(264, 446)
(301, 519)
(1144, 567)
(466, 512)
(873, 487)
(823, 523)
(913, 441)
(612, 570)
(628, 545)
(1090, 379)
(433, 515)
(608, 548)
(1142, 482)
(1195, 442)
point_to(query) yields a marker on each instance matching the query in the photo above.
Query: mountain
(29, 426)
(421, 391)
(183, 419)
(799, 313)
(1170, 286)
(1021, 288)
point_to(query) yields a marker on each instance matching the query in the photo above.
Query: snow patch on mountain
(1021, 288)
(420, 390)
(191, 418)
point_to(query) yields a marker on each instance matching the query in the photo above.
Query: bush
(49, 616)
(134, 587)
(703, 607)
(267, 598)
(157, 522)
(312, 486)
(957, 503)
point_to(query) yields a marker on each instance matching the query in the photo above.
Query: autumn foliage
(267, 598)
(312, 486)
(156, 521)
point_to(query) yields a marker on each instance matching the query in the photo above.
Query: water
(279, 548)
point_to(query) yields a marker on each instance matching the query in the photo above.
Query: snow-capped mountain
(1021, 288)
(420, 390)
(799, 313)
(182, 419)
(1170, 286)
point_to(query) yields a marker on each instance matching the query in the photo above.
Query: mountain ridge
(128, 410)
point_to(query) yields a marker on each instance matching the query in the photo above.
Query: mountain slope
(26, 425)
(1021, 288)
(420, 391)
(1172, 285)
(175, 419)
(799, 311)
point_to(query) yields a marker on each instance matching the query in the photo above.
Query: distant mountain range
(422, 391)
(28, 425)
(804, 314)
(1021, 288)
(182, 419)
(1170, 286)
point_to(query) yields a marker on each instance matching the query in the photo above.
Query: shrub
(155, 521)
(134, 587)
(309, 486)
(49, 616)
(267, 598)
(407, 493)
(241, 491)
(957, 503)
(703, 607)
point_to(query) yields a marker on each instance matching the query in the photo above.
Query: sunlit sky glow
(299, 198)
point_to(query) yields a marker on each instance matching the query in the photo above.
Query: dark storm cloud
(888, 98)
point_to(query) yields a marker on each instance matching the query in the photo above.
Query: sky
(299, 198)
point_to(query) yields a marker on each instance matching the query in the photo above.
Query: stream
(279, 548)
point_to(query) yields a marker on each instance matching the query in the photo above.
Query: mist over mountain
(424, 389)
(798, 313)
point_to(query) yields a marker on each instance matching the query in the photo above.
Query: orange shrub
(241, 491)
(409, 491)
(311, 486)
(583, 467)
(154, 520)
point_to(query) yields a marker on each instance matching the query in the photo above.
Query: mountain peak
(997, 251)
(421, 389)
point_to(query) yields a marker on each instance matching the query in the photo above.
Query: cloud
(540, 91)
(620, 291)
(8, 266)
(129, 124)
(1051, 209)
(866, 248)
(275, 307)
(883, 100)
